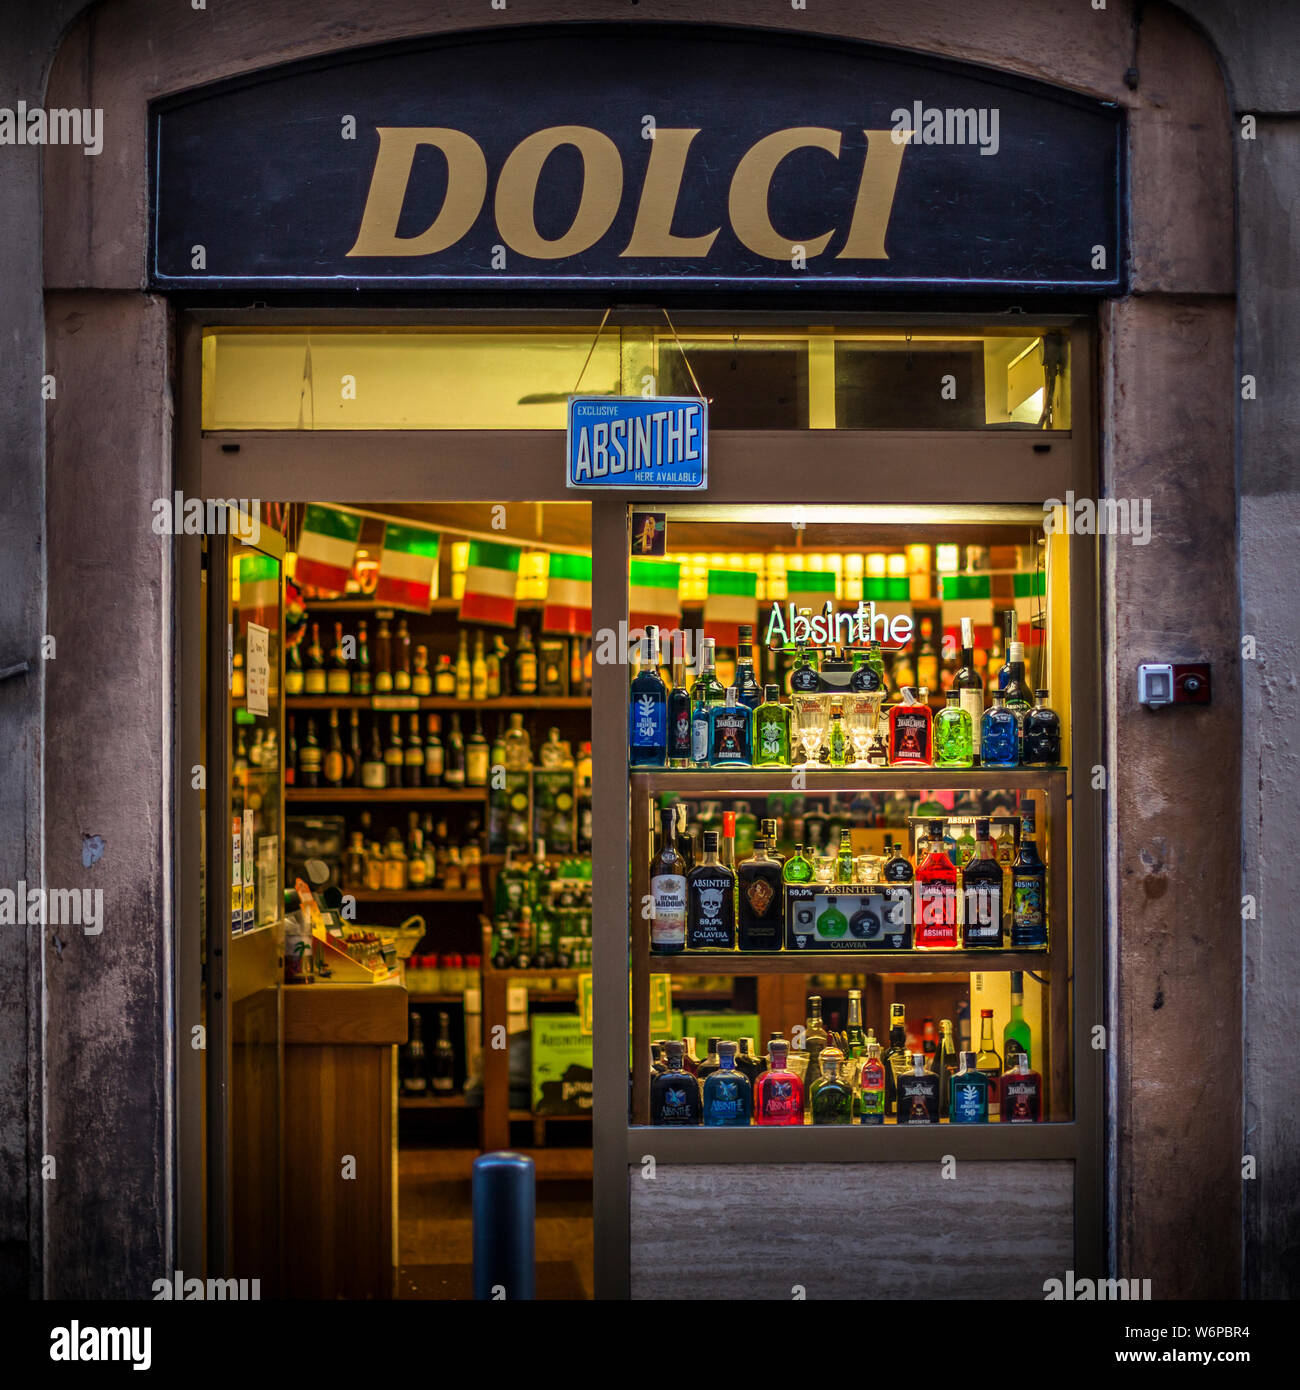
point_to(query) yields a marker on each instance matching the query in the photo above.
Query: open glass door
(245, 925)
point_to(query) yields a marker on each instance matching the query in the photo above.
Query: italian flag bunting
(259, 584)
(810, 589)
(408, 566)
(732, 599)
(892, 596)
(967, 596)
(490, 581)
(1030, 591)
(652, 594)
(568, 595)
(327, 547)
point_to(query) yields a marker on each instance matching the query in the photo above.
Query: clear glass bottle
(844, 859)
(518, 746)
(999, 735)
(705, 693)
(832, 1095)
(772, 730)
(953, 745)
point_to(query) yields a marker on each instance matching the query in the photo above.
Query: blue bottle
(728, 1099)
(730, 733)
(968, 1092)
(647, 716)
(999, 735)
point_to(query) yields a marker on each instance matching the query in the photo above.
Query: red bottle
(936, 896)
(1022, 1094)
(778, 1097)
(910, 729)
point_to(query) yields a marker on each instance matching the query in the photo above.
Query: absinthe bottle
(969, 685)
(711, 902)
(727, 1093)
(918, 1094)
(668, 891)
(897, 1059)
(760, 901)
(705, 693)
(674, 1092)
(1028, 890)
(982, 894)
(772, 730)
(748, 691)
(647, 708)
(729, 733)
(679, 716)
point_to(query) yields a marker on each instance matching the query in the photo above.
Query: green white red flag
(967, 596)
(1030, 591)
(810, 588)
(652, 594)
(732, 599)
(408, 566)
(327, 548)
(259, 586)
(568, 594)
(490, 581)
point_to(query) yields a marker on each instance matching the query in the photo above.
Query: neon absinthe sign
(828, 627)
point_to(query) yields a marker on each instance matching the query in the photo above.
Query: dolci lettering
(522, 176)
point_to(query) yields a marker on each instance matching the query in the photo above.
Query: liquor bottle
(476, 755)
(352, 751)
(338, 679)
(871, 1088)
(416, 867)
(969, 1088)
(778, 1097)
(374, 771)
(414, 1068)
(711, 902)
(1021, 1094)
(729, 733)
(314, 677)
(929, 1043)
(1041, 734)
(394, 752)
(668, 891)
(332, 765)
(462, 666)
(748, 691)
(798, 868)
(927, 657)
(444, 677)
(999, 735)
(710, 1064)
(413, 755)
(747, 1062)
(495, 665)
(771, 730)
(382, 675)
(814, 1036)
(953, 739)
(674, 1092)
(989, 1062)
(844, 859)
(1017, 1037)
(689, 1059)
(293, 672)
(918, 1094)
(727, 845)
(945, 1063)
(402, 659)
(898, 877)
(837, 739)
(909, 731)
(727, 1097)
(291, 754)
(831, 1100)
(804, 676)
(705, 693)
(981, 888)
(760, 905)
(832, 924)
(969, 685)
(1016, 691)
(519, 747)
(310, 758)
(647, 708)
(965, 847)
(746, 827)
(1028, 890)
(525, 681)
(444, 1057)
(855, 1038)
(679, 716)
(897, 1058)
(1010, 630)
(478, 676)
(453, 757)
(433, 755)
(936, 896)
(421, 679)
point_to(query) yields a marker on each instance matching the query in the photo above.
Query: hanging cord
(686, 359)
(590, 350)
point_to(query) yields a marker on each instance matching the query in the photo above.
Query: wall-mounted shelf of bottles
(757, 781)
(400, 704)
(416, 895)
(390, 794)
(741, 964)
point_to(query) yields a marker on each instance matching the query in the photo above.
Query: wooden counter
(340, 1145)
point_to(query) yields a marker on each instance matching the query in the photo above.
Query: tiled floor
(435, 1231)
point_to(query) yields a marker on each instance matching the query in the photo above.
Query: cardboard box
(561, 1054)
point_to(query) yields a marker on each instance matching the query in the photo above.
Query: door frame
(981, 467)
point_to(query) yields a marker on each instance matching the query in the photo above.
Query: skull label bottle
(711, 902)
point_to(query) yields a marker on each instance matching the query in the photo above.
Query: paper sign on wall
(258, 662)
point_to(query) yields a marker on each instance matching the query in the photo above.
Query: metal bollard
(505, 1207)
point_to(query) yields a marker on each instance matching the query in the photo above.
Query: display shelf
(743, 964)
(415, 895)
(405, 703)
(758, 781)
(433, 1103)
(316, 795)
(359, 603)
(456, 997)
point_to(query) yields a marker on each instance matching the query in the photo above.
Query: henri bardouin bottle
(668, 890)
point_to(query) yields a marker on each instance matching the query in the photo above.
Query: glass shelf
(747, 781)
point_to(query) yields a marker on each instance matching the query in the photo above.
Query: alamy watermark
(946, 125)
(53, 907)
(179, 515)
(1103, 516)
(33, 125)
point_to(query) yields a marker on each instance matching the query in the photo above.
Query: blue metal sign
(637, 442)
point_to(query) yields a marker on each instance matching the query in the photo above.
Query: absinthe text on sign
(655, 440)
(827, 628)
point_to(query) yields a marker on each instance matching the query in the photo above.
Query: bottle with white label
(668, 891)
(969, 685)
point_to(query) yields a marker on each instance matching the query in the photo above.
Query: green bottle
(837, 740)
(832, 1096)
(876, 660)
(844, 859)
(771, 730)
(798, 868)
(1017, 1036)
(953, 737)
(832, 924)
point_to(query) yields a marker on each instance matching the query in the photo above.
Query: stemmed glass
(812, 725)
(862, 715)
